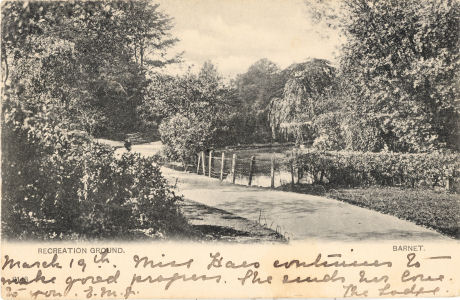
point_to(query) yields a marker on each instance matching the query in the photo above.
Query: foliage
(329, 131)
(90, 55)
(73, 70)
(362, 134)
(57, 183)
(195, 112)
(255, 88)
(346, 168)
(401, 64)
(308, 86)
(184, 136)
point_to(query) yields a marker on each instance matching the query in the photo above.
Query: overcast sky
(234, 34)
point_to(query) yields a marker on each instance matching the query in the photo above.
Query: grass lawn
(434, 209)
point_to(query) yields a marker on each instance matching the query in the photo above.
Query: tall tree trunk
(141, 53)
(5, 59)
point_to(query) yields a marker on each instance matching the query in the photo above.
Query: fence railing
(341, 168)
(249, 171)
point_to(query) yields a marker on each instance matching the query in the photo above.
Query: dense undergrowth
(59, 184)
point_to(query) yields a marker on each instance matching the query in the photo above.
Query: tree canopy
(308, 85)
(256, 87)
(195, 111)
(400, 66)
(91, 56)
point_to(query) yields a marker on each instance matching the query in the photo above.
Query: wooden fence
(231, 168)
(262, 171)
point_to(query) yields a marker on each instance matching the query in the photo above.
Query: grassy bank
(434, 209)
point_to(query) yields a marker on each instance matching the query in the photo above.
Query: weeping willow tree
(291, 114)
(307, 87)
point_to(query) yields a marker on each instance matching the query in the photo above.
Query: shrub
(58, 183)
(329, 133)
(384, 168)
(184, 136)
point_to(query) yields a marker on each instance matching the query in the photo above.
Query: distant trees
(395, 88)
(308, 87)
(194, 111)
(198, 111)
(255, 88)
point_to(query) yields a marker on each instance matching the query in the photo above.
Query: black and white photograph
(242, 122)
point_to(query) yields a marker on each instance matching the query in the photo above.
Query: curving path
(296, 216)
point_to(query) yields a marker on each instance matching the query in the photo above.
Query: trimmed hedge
(345, 168)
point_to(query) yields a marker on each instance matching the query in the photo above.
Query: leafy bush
(401, 63)
(384, 168)
(184, 136)
(329, 133)
(361, 134)
(58, 183)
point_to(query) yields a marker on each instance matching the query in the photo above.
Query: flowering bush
(384, 168)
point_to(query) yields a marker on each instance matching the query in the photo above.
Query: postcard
(230, 149)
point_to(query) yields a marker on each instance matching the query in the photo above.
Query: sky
(234, 34)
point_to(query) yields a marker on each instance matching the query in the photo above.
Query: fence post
(299, 174)
(251, 166)
(233, 167)
(199, 162)
(272, 172)
(449, 183)
(203, 157)
(222, 164)
(210, 163)
(292, 172)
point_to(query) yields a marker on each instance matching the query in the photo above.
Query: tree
(92, 55)
(68, 67)
(310, 84)
(195, 112)
(148, 32)
(184, 136)
(401, 65)
(262, 81)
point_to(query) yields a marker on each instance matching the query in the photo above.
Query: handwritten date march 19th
(369, 277)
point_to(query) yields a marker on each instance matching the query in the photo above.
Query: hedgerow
(58, 183)
(384, 168)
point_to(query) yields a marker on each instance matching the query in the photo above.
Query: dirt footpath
(213, 223)
(297, 216)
